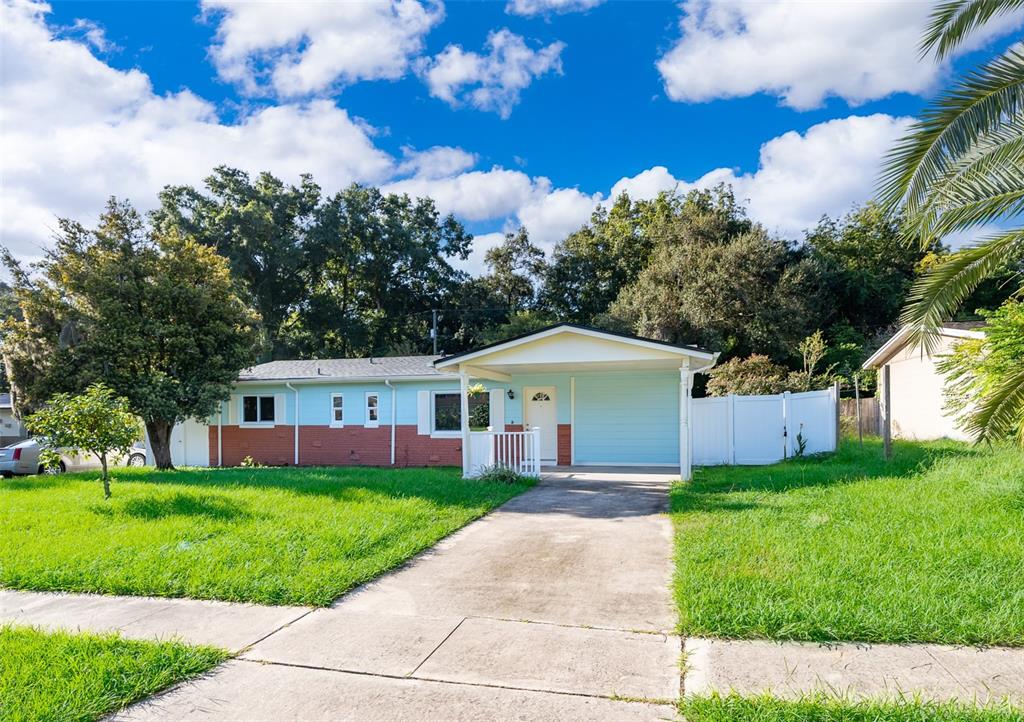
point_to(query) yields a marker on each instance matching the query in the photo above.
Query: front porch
(576, 397)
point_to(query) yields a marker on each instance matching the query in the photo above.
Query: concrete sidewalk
(221, 624)
(855, 671)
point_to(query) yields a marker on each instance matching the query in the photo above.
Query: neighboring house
(916, 386)
(11, 428)
(594, 398)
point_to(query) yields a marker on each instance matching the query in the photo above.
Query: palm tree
(961, 167)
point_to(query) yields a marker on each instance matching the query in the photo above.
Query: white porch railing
(516, 450)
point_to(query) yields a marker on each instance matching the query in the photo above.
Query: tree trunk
(106, 476)
(160, 442)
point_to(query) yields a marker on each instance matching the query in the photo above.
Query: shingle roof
(376, 367)
(964, 325)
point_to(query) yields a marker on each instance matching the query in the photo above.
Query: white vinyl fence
(762, 429)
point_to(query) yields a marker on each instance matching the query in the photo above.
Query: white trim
(668, 348)
(345, 379)
(899, 339)
(261, 424)
(434, 433)
(394, 413)
(660, 465)
(335, 424)
(367, 421)
(464, 422)
(572, 420)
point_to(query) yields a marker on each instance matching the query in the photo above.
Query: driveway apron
(557, 606)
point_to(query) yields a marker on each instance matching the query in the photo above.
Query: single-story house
(564, 395)
(916, 386)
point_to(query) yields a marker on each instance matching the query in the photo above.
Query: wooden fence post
(856, 396)
(886, 413)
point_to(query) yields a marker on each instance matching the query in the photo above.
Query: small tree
(96, 421)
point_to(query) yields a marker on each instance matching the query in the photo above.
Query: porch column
(685, 447)
(464, 414)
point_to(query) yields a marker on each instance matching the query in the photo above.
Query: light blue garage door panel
(627, 418)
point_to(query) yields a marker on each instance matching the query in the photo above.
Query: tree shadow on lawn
(709, 489)
(151, 508)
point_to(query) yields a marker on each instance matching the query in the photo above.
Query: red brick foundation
(564, 444)
(327, 446)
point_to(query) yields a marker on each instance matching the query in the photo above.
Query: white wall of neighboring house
(917, 397)
(11, 428)
(916, 387)
(190, 445)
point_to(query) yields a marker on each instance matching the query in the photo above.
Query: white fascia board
(899, 339)
(346, 379)
(668, 348)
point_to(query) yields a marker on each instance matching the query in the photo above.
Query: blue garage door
(627, 418)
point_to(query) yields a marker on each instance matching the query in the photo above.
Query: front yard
(734, 708)
(270, 536)
(927, 547)
(61, 676)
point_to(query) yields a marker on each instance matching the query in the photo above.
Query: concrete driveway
(554, 607)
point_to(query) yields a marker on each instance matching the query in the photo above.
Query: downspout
(220, 436)
(391, 386)
(288, 385)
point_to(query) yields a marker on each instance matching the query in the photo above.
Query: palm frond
(983, 102)
(985, 183)
(951, 22)
(1000, 413)
(938, 293)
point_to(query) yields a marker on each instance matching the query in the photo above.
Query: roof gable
(572, 344)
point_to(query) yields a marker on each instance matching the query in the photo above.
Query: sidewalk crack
(439, 645)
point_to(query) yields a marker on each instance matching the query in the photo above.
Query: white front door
(539, 411)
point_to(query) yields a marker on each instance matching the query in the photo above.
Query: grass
(271, 536)
(927, 547)
(61, 676)
(733, 708)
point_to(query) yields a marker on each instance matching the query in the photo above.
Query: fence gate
(763, 429)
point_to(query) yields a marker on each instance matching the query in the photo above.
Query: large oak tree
(153, 315)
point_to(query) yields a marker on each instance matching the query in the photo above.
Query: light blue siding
(627, 418)
(563, 399)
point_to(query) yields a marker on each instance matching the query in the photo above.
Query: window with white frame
(372, 409)
(337, 410)
(257, 409)
(447, 412)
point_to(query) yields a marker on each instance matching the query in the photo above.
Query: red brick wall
(564, 444)
(513, 427)
(272, 446)
(326, 446)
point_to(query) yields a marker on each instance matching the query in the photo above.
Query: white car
(23, 458)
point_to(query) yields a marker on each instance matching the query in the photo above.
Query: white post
(731, 430)
(685, 447)
(464, 414)
(786, 442)
(536, 451)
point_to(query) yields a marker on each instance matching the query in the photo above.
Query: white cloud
(529, 8)
(493, 81)
(299, 48)
(799, 176)
(804, 52)
(475, 195)
(73, 131)
(436, 162)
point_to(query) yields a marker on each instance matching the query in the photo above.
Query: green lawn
(61, 676)
(928, 547)
(733, 708)
(272, 536)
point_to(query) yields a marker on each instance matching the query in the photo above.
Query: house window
(448, 412)
(257, 409)
(372, 410)
(540, 396)
(337, 410)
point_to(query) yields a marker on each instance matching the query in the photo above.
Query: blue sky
(570, 101)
